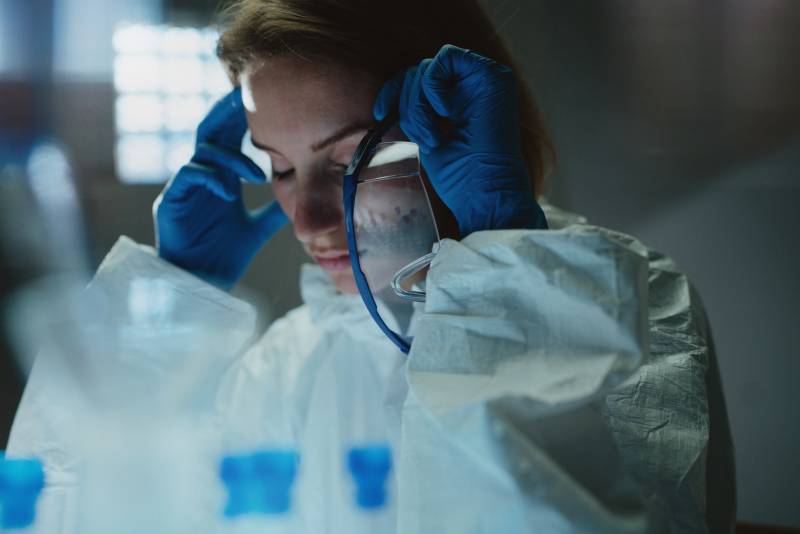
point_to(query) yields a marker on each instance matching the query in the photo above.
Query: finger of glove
(230, 160)
(420, 111)
(414, 121)
(389, 96)
(226, 123)
(192, 176)
(270, 219)
(450, 66)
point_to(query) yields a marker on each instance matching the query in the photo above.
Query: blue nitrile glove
(461, 109)
(201, 222)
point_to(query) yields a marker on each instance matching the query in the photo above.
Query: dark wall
(679, 123)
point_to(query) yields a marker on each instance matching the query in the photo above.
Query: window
(166, 79)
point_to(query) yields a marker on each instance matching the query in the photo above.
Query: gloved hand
(201, 222)
(461, 109)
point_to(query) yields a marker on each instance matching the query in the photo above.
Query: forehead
(289, 93)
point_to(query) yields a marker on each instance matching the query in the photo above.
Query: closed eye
(337, 170)
(282, 175)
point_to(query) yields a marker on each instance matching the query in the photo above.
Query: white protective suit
(559, 381)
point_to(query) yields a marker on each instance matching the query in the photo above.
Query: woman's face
(309, 116)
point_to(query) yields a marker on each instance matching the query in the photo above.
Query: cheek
(318, 200)
(284, 195)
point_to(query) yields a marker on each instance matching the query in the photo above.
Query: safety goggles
(391, 230)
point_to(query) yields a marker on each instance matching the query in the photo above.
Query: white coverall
(559, 381)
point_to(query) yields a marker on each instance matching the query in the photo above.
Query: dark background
(677, 122)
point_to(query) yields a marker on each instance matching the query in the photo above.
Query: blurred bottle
(41, 244)
(132, 371)
(140, 363)
(133, 361)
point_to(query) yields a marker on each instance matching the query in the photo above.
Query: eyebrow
(337, 136)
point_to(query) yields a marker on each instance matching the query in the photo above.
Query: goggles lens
(394, 225)
(391, 229)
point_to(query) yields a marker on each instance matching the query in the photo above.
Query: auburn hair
(381, 38)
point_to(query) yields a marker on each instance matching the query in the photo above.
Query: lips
(333, 261)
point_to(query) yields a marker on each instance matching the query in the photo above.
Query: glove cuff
(501, 211)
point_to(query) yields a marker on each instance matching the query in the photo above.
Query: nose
(318, 208)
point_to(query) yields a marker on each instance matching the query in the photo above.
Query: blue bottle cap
(370, 466)
(276, 470)
(21, 482)
(259, 482)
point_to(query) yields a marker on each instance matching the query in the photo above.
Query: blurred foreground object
(41, 246)
(41, 229)
(132, 365)
(21, 481)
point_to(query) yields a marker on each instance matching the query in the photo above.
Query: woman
(557, 380)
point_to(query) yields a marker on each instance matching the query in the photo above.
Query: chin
(345, 283)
